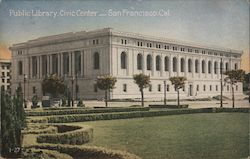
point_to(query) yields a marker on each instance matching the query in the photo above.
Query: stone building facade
(80, 57)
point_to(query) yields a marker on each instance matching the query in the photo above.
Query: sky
(224, 23)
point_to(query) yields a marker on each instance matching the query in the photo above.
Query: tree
(178, 82)
(12, 122)
(234, 76)
(143, 81)
(106, 83)
(53, 85)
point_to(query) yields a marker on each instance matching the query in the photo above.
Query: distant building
(5, 65)
(82, 56)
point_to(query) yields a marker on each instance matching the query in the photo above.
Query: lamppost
(72, 91)
(165, 100)
(24, 81)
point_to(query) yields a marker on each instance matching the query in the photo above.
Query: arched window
(182, 64)
(215, 67)
(158, 63)
(189, 65)
(149, 62)
(96, 60)
(123, 60)
(235, 66)
(139, 61)
(196, 66)
(227, 66)
(174, 64)
(203, 66)
(166, 62)
(209, 67)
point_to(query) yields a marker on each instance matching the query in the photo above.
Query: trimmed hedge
(168, 106)
(76, 136)
(84, 111)
(45, 130)
(87, 151)
(122, 115)
(41, 153)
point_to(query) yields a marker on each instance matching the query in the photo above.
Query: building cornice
(74, 36)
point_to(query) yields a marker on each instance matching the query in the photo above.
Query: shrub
(78, 135)
(87, 151)
(122, 115)
(42, 130)
(83, 111)
(43, 153)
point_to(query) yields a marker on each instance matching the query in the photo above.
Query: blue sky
(223, 23)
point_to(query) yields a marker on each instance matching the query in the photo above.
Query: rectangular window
(121, 41)
(204, 87)
(150, 88)
(183, 88)
(124, 87)
(216, 87)
(8, 80)
(138, 43)
(8, 74)
(236, 88)
(150, 45)
(34, 66)
(125, 42)
(44, 65)
(3, 74)
(97, 41)
(197, 88)
(210, 87)
(20, 67)
(55, 64)
(34, 90)
(159, 88)
(93, 42)
(95, 88)
(168, 88)
(141, 43)
(3, 80)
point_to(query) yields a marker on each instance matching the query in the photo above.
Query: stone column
(186, 67)
(61, 64)
(162, 65)
(48, 63)
(200, 66)
(73, 64)
(82, 63)
(193, 67)
(31, 67)
(153, 69)
(70, 63)
(206, 67)
(178, 65)
(171, 65)
(144, 65)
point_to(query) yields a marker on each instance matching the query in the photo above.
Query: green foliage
(80, 103)
(43, 154)
(74, 135)
(178, 82)
(134, 114)
(34, 101)
(12, 121)
(83, 111)
(106, 82)
(86, 151)
(143, 81)
(234, 76)
(53, 85)
(64, 101)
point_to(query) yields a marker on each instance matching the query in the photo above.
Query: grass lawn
(194, 136)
